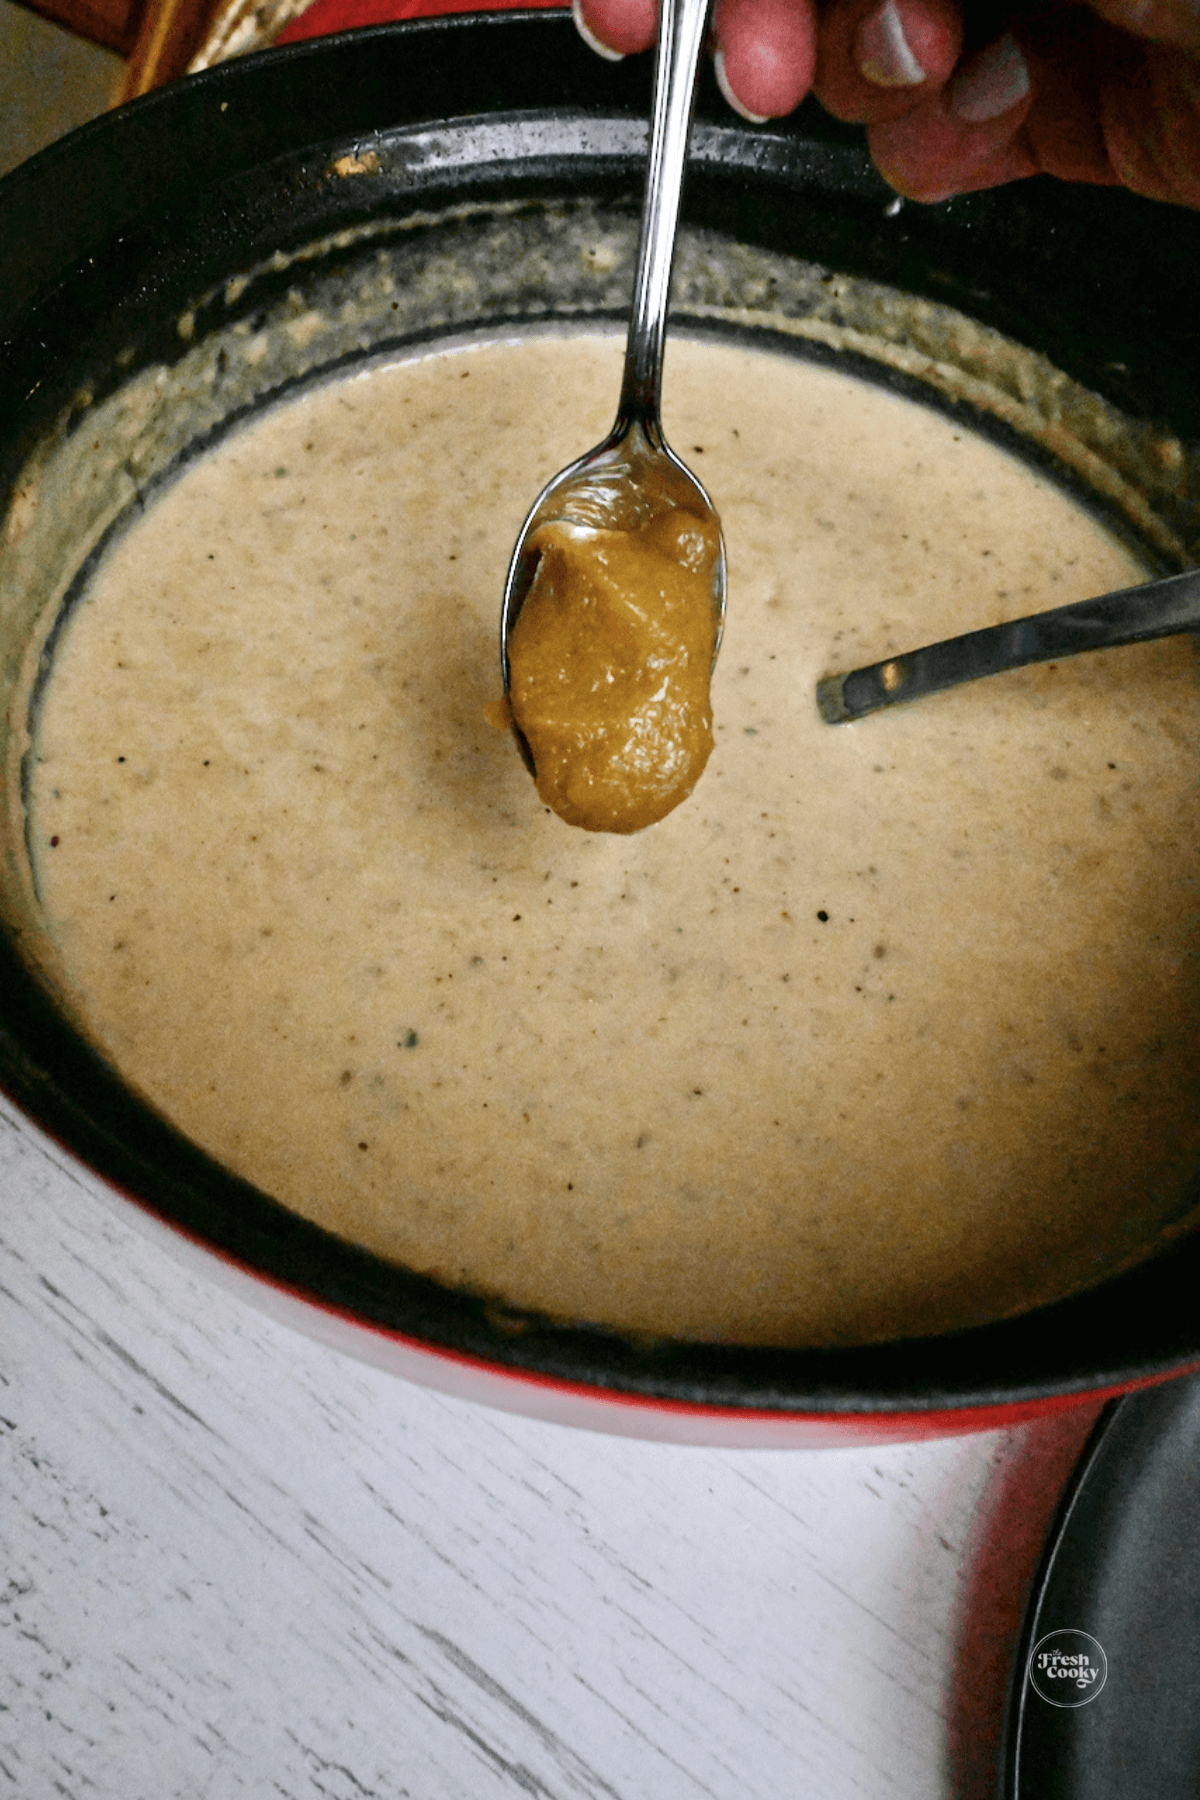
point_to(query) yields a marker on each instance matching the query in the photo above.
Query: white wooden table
(237, 1563)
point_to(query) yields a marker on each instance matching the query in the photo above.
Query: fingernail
(723, 84)
(884, 56)
(590, 39)
(991, 83)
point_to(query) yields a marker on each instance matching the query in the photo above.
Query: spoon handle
(680, 37)
(1128, 616)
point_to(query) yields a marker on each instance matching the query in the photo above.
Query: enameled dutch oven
(193, 211)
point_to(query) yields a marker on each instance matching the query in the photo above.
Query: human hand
(1105, 93)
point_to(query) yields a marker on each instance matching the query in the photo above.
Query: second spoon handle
(1128, 616)
(680, 37)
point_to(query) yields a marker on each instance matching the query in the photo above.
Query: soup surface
(889, 1028)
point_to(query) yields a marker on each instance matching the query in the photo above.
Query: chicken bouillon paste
(889, 1029)
(611, 656)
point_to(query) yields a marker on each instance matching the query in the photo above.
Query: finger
(1151, 120)
(942, 175)
(1063, 50)
(1104, 109)
(766, 54)
(1155, 21)
(968, 135)
(616, 28)
(879, 61)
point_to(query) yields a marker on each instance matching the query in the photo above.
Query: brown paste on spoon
(611, 657)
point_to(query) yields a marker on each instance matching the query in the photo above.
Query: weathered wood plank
(238, 1563)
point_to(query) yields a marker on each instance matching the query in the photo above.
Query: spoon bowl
(617, 486)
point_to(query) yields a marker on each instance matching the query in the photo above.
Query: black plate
(1122, 1567)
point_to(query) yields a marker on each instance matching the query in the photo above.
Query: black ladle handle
(1129, 616)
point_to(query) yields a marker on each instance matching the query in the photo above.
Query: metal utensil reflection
(1134, 615)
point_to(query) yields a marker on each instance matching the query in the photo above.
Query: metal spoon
(634, 473)
(1127, 616)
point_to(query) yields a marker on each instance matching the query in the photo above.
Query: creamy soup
(888, 1028)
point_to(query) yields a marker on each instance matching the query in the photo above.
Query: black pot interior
(108, 239)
